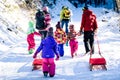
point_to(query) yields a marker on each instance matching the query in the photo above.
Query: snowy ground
(16, 63)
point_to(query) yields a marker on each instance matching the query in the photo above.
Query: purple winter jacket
(48, 47)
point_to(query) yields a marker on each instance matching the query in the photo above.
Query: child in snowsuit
(72, 40)
(60, 37)
(49, 49)
(30, 37)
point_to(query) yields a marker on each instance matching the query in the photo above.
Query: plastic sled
(37, 64)
(97, 63)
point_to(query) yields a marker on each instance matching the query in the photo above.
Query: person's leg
(45, 66)
(31, 45)
(62, 23)
(61, 49)
(28, 44)
(66, 29)
(71, 43)
(66, 26)
(92, 42)
(75, 47)
(52, 67)
(86, 36)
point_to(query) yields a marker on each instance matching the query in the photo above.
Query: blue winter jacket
(48, 47)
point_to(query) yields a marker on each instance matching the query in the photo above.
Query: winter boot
(45, 74)
(31, 51)
(51, 75)
(66, 43)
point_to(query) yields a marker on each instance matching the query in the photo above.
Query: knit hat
(63, 7)
(58, 24)
(50, 31)
(85, 8)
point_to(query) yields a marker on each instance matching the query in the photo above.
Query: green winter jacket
(30, 28)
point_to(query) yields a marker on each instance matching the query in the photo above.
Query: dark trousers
(43, 34)
(89, 41)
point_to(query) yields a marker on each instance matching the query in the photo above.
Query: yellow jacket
(64, 14)
(60, 36)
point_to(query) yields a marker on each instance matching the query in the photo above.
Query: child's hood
(30, 28)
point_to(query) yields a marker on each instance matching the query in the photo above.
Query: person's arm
(68, 36)
(95, 25)
(61, 15)
(56, 51)
(82, 24)
(38, 50)
(37, 33)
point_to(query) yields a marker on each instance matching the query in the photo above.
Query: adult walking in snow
(65, 16)
(43, 21)
(49, 49)
(89, 27)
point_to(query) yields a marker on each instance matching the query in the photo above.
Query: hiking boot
(87, 52)
(45, 74)
(51, 75)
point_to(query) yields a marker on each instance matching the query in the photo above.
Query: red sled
(37, 64)
(97, 63)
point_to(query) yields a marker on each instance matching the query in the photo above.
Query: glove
(57, 57)
(80, 33)
(35, 55)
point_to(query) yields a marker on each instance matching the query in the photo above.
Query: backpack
(40, 24)
(67, 14)
(47, 19)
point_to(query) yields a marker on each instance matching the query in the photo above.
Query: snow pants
(61, 49)
(73, 46)
(31, 42)
(89, 41)
(49, 66)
